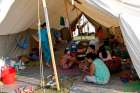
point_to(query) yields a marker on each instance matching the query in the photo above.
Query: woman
(98, 72)
(44, 43)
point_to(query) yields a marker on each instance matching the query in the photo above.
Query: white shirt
(108, 56)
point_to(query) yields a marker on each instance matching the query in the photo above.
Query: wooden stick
(40, 51)
(50, 43)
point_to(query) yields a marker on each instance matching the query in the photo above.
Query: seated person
(57, 36)
(97, 71)
(65, 60)
(94, 42)
(81, 52)
(113, 42)
(70, 58)
(104, 54)
(91, 49)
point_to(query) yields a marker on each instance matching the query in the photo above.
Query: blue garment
(57, 35)
(102, 73)
(45, 44)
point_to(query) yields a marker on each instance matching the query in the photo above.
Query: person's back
(104, 54)
(102, 73)
(44, 36)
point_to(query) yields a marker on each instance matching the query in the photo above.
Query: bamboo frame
(40, 52)
(50, 43)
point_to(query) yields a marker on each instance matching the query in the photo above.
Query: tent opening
(5, 5)
(86, 30)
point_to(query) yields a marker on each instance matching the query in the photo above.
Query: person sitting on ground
(65, 59)
(113, 42)
(81, 52)
(70, 58)
(104, 54)
(97, 72)
(90, 49)
(94, 42)
(57, 36)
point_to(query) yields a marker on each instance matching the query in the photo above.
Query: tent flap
(130, 30)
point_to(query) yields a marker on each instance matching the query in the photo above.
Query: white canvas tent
(22, 14)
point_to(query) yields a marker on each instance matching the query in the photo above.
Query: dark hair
(78, 26)
(92, 46)
(91, 56)
(43, 25)
(103, 52)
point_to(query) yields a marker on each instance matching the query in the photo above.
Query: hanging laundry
(62, 21)
(67, 23)
(23, 42)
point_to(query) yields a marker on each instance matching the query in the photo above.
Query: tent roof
(100, 16)
(23, 14)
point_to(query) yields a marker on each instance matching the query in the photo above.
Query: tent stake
(50, 43)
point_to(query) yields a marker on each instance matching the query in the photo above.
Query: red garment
(114, 65)
(100, 35)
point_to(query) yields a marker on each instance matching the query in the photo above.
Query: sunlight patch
(4, 8)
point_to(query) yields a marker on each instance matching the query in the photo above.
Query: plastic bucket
(9, 75)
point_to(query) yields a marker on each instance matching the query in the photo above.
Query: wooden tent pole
(50, 43)
(40, 51)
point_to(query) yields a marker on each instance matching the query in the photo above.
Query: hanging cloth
(23, 42)
(62, 21)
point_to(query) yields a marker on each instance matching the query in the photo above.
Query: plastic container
(8, 75)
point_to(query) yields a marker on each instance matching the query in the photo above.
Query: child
(70, 58)
(91, 49)
(64, 60)
(97, 72)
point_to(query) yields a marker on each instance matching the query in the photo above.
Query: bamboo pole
(40, 52)
(50, 43)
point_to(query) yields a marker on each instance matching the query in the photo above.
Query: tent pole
(40, 52)
(50, 43)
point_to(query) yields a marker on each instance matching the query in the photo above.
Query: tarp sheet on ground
(125, 13)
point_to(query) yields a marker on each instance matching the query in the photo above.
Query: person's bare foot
(48, 65)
